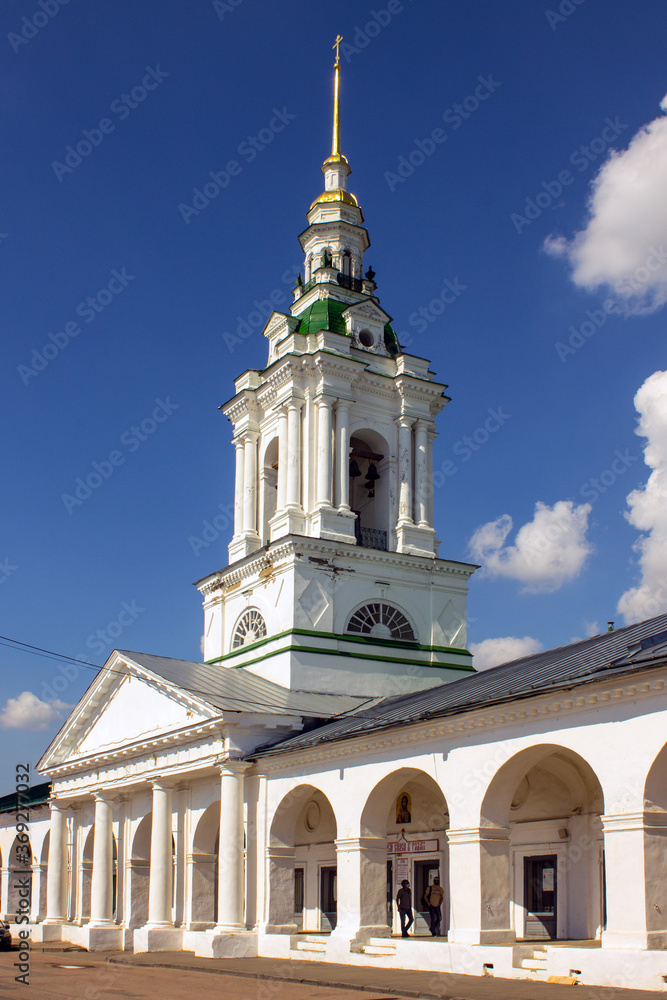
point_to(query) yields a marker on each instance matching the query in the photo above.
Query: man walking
(404, 903)
(434, 896)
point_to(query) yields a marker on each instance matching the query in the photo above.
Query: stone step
(379, 949)
(310, 945)
(536, 964)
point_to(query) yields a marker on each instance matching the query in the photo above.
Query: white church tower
(334, 582)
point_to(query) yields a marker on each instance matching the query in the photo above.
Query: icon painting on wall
(403, 808)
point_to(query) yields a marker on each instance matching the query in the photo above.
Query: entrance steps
(536, 963)
(310, 942)
(380, 946)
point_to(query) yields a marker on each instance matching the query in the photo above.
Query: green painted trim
(365, 639)
(339, 652)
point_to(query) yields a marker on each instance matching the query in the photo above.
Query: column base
(103, 922)
(415, 540)
(213, 944)
(289, 521)
(337, 525)
(158, 937)
(628, 939)
(243, 545)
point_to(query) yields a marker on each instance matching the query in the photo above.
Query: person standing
(434, 896)
(404, 903)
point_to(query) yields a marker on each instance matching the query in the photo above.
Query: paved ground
(174, 975)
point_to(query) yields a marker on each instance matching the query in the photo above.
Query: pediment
(367, 310)
(124, 706)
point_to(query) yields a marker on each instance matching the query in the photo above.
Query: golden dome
(337, 194)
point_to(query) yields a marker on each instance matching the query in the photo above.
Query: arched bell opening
(268, 488)
(369, 488)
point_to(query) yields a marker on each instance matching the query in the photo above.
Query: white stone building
(337, 739)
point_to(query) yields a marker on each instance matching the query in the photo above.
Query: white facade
(268, 801)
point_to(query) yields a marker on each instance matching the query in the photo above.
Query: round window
(366, 338)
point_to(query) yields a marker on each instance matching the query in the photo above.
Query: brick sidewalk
(386, 984)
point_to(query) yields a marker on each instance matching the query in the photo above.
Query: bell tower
(334, 581)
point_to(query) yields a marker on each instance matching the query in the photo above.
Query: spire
(335, 168)
(335, 140)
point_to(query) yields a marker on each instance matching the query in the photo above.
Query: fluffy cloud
(624, 244)
(648, 506)
(547, 551)
(492, 652)
(28, 712)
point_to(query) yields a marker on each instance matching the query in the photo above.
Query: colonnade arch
(19, 870)
(540, 848)
(204, 875)
(655, 850)
(404, 826)
(301, 863)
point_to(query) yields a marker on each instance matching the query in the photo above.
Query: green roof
(325, 314)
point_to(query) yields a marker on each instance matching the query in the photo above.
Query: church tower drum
(334, 581)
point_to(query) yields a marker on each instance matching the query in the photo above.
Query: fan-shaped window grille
(251, 627)
(381, 621)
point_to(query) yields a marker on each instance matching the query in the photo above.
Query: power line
(255, 706)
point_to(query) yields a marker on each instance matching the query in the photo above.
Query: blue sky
(140, 300)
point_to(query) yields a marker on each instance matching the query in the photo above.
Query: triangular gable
(125, 704)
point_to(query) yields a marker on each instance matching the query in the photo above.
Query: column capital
(232, 765)
(422, 425)
(105, 796)
(404, 420)
(163, 784)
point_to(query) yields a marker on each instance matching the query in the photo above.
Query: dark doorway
(328, 898)
(298, 898)
(425, 872)
(540, 896)
(390, 893)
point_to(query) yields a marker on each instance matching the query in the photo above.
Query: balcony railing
(347, 281)
(372, 538)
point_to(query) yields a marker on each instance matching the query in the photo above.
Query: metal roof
(235, 689)
(626, 649)
(35, 796)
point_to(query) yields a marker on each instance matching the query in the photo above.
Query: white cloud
(547, 551)
(28, 712)
(624, 244)
(648, 506)
(492, 652)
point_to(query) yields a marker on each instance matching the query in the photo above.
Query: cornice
(465, 722)
(297, 546)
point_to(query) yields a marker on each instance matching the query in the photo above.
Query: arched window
(381, 621)
(250, 627)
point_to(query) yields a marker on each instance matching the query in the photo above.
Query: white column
(324, 452)
(343, 455)
(283, 448)
(5, 876)
(404, 470)
(631, 892)
(293, 494)
(479, 886)
(421, 473)
(101, 891)
(307, 444)
(362, 888)
(231, 869)
(57, 870)
(239, 486)
(250, 480)
(429, 472)
(160, 891)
